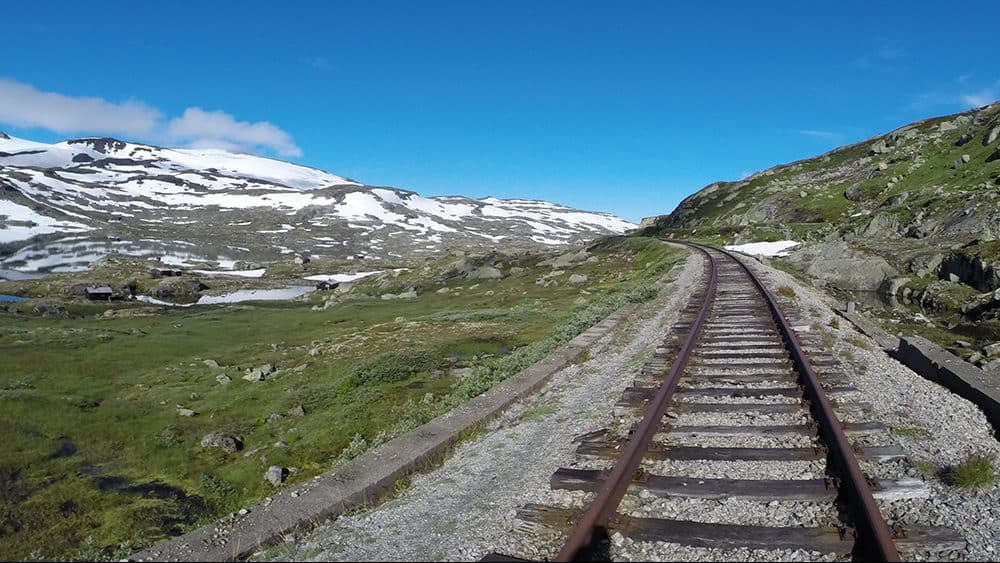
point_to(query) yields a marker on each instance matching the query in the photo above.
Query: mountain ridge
(97, 195)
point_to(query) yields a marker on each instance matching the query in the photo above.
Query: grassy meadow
(97, 458)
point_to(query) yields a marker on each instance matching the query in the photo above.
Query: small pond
(11, 298)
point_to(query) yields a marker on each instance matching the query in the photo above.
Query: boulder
(461, 267)
(259, 373)
(223, 379)
(444, 290)
(965, 138)
(516, 270)
(400, 320)
(926, 264)
(273, 417)
(891, 286)
(578, 278)
(992, 350)
(461, 373)
(183, 289)
(567, 260)
(212, 364)
(991, 135)
(408, 294)
(228, 443)
(275, 475)
(297, 410)
(186, 412)
(838, 265)
(853, 192)
(485, 273)
(994, 156)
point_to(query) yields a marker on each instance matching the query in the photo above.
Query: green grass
(975, 473)
(909, 431)
(111, 387)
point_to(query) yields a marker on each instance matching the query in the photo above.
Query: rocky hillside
(65, 205)
(919, 202)
(934, 178)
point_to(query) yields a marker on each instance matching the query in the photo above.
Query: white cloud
(23, 105)
(201, 127)
(829, 135)
(980, 98)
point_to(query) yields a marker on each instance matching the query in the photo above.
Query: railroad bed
(739, 435)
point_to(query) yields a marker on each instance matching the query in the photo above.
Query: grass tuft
(976, 473)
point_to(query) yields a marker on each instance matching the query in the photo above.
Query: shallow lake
(13, 298)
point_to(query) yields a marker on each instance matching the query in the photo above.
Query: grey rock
(178, 288)
(991, 135)
(578, 279)
(954, 278)
(891, 287)
(965, 138)
(517, 270)
(992, 367)
(408, 294)
(186, 412)
(274, 417)
(853, 192)
(227, 442)
(461, 372)
(485, 273)
(567, 260)
(275, 475)
(297, 410)
(223, 379)
(315, 351)
(974, 358)
(444, 290)
(992, 350)
(212, 364)
(399, 320)
(838, 265)
(259, 373)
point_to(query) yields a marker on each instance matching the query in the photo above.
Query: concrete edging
(936, 364)
(962, 378)
(369, 476)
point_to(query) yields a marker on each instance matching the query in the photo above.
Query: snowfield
(776, 248)
(224, 199)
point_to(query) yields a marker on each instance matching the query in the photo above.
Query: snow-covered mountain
(64, 205)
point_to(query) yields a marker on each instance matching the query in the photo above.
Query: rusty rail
(873, 539)
(592, 526)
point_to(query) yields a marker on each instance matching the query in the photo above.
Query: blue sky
(622, 107)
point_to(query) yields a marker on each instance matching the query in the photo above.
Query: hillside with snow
(64, 205)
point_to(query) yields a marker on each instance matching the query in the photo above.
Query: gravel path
(466, 508)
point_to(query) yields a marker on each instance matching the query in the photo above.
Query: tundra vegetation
(106, 416)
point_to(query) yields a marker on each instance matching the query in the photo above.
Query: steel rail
(873, 536)
(591, 527)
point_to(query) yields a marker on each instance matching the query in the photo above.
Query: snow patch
(776, 248)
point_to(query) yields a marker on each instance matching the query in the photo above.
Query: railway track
(741, 433)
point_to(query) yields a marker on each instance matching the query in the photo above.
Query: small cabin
(100, 293)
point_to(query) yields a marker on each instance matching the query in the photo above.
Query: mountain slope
(184, 204)
(936, 177)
